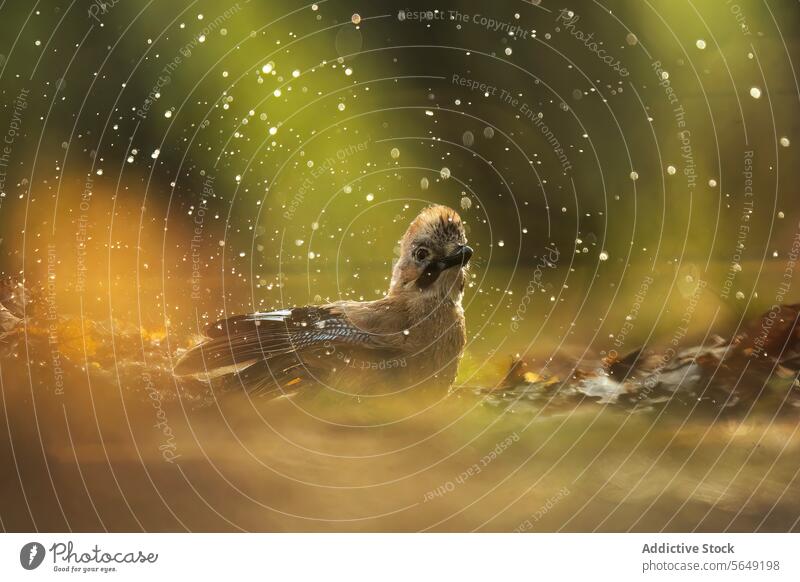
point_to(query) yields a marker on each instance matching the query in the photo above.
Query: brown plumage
(411, 338)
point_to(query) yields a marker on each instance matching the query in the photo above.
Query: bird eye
(421, 254)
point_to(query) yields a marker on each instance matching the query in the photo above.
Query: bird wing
(245, 339)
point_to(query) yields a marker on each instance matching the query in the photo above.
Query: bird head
(433, 255)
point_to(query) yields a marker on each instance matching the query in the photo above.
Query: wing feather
(243, 340)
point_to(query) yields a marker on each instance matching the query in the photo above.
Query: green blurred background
(371, 120)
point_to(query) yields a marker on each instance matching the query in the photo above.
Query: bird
(411, 339)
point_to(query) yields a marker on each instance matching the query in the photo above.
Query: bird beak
(460, 258)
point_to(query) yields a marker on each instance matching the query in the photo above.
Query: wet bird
(412, 338)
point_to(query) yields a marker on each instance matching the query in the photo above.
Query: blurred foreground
(138, 451)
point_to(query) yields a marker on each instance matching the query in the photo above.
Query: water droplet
(701, 44)
(168, 114)
(508, 51)
(501, 243)
(295, 73)
(755, 92)
(712, 182)
(488, 133)
(603, 256)
(155, 154)
(634, 176)
(631, 39)
(424, 183)
(785, 142)
(348, 71)
(370, 197)
(356, 19)
(445, 173)
(671, 170)
(468, 139)
(273, 130)
(267, 69)
(739, 295)
(341, 107)
(781, 214)
(466, 203)
(395, 153)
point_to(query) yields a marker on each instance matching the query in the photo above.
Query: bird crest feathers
(438, 223)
